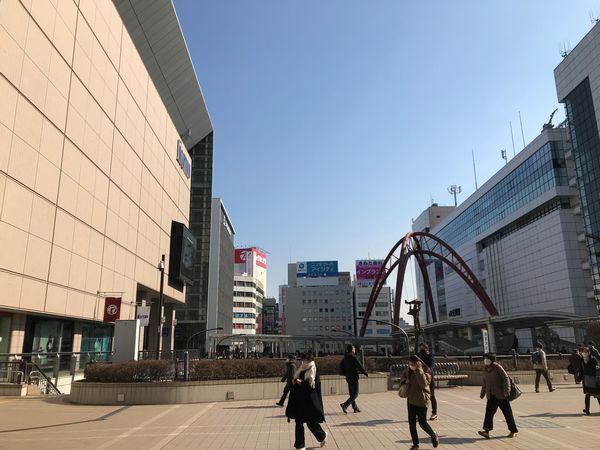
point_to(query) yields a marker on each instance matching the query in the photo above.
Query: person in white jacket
(541, 368)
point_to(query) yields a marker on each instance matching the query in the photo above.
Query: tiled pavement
(546, 420)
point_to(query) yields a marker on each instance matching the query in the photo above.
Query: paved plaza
(546, 420)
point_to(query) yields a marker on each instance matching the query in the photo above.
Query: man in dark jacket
(288, 379)
(350, 367)
(427, 358)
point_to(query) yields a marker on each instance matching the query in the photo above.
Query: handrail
(48, 380)
(55, 353)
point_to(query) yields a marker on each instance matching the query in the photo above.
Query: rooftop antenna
(474, 169)
(454, 190)
(593, 19)
(522, 134)
(503, 155)
(431, 199)
(512, 137)
(564, 49)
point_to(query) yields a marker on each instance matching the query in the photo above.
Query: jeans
(353, 392)
(418, 413)
(432, 398)
(490, 409)
(587, 401)
(286, 390)
(538, 373)
(315, 429)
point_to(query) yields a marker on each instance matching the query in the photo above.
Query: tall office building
(220, 276)
(366, 273)
(318, 300)
(250, 267)
(94, 127)
(577, 84)
(270, 316)
(521, 234)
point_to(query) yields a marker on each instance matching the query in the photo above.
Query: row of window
(545, 169)
(332, 292)
(377, 304)
(237, 315)
(377, 313)
(244, 326)
(244, 305)
(326, 328)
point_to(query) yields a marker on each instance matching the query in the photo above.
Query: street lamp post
(187, 345)
(397, 328)
(161, 269)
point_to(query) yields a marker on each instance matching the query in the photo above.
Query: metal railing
(42, 368)
(443, 368)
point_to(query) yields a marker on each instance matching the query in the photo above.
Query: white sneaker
(324, 441)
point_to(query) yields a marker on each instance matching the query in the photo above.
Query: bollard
(186, 366)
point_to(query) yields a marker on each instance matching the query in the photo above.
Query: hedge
(130, 372)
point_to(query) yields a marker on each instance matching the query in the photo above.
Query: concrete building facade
(521, 234)
(93, 166)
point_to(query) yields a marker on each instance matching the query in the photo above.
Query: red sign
(250, 257)
(112, 309)
(367, 270)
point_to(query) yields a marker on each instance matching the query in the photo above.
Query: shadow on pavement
(368, 423)
(549, 415)
(98, 419)
(255, 407)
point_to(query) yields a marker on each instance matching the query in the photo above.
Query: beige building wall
(89, 181)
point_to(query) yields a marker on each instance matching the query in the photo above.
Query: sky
(337, 122)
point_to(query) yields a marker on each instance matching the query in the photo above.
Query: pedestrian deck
(545, 420)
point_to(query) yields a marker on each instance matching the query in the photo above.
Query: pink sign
(367, 270)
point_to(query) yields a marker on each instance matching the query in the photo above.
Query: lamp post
(187, 345)
(397, 328)
(161, 269)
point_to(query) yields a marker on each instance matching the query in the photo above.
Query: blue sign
(316, 269)
(183, 161)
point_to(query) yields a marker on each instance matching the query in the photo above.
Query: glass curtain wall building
(520, 234)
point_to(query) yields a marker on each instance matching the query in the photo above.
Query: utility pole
(161, 269)
(454, 190)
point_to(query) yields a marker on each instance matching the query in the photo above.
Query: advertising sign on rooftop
(367, 270)
(317, 269)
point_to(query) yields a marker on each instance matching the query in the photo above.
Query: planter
(174, 392)
(12, 390)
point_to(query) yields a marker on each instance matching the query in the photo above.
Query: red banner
(112, 309)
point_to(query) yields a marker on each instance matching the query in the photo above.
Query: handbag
(515, 392)
(403, 391)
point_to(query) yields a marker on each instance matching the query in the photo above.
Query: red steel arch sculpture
(421, 244)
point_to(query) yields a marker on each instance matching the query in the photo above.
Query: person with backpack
(417, 378)
(575, 364)
(306, 403)
(589, 369)
(496, 388)
(350, 368)
(288, 379)
(541, 368)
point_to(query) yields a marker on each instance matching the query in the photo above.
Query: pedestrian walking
(427, 358)
(305, 405)
(350, 368)
(541, 368)
(593, 350)
(496, 388)
(418, 378)
(589, 369)
(288, 378)
(575, 365)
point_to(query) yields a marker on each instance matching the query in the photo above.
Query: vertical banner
(143, 315)
(112, 309)
(486, 340)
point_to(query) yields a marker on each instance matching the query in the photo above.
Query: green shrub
(130, 372)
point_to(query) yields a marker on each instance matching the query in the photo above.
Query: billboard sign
(143, 315)
(183, 161)
(317, 269)
(367, 270)
(248, 258)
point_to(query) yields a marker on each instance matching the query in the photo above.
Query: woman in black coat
(306, 404)
(589, 367)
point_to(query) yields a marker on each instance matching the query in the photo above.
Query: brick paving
(545, 420)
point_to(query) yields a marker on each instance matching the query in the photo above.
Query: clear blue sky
(335, 121)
